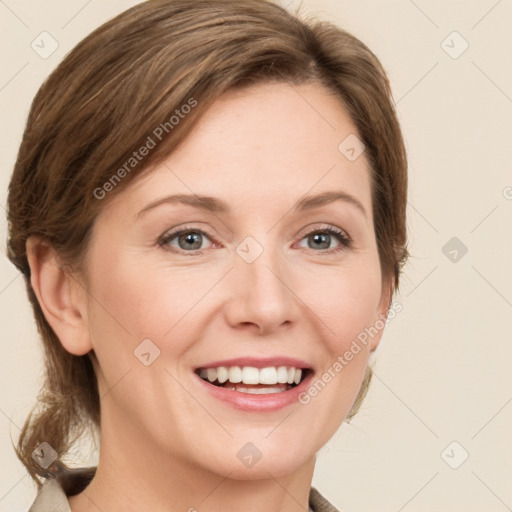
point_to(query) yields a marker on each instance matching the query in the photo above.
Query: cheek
(347, 308)
(133, 301)
(127, 307)
(119, 313)
(347, 304)
(137, 299)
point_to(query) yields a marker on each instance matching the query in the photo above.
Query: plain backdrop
(435, 430)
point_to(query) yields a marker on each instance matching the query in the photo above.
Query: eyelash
(341, 236)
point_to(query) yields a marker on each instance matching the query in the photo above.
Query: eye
(322, 238)
(188, 239)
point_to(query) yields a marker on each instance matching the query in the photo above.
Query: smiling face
(256, 273)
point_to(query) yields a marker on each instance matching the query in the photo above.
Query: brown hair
(113, 90)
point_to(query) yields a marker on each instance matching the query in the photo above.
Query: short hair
(131, 75)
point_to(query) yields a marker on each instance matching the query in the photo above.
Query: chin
(260, 459)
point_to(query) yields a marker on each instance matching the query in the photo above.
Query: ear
(60, 296)
(382, 312)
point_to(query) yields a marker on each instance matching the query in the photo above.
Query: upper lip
(258, 362)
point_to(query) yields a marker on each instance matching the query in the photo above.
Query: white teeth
(268, 376)
(250, 375)
(235, 374)
(282, 375)
(260, 391)
(222, 374)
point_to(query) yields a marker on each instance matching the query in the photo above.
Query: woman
(208, 207)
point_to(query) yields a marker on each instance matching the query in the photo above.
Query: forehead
(266, 142)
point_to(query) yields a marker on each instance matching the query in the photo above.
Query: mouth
(255, 380)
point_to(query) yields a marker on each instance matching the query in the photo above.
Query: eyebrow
(215, 205)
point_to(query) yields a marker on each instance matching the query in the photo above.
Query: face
(258, 275)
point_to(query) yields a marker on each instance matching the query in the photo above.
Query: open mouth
(257, 381)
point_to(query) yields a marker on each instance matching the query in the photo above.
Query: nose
(261, 296)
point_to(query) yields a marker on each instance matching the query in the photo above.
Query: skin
(166, 444)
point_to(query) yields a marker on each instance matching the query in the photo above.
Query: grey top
(52, 496)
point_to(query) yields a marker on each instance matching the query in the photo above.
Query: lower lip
(257, 403)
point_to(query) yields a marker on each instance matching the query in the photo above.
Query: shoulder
(53, 494)
(50, 498)
(319, 504)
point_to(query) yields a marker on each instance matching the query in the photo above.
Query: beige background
(443, 369)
